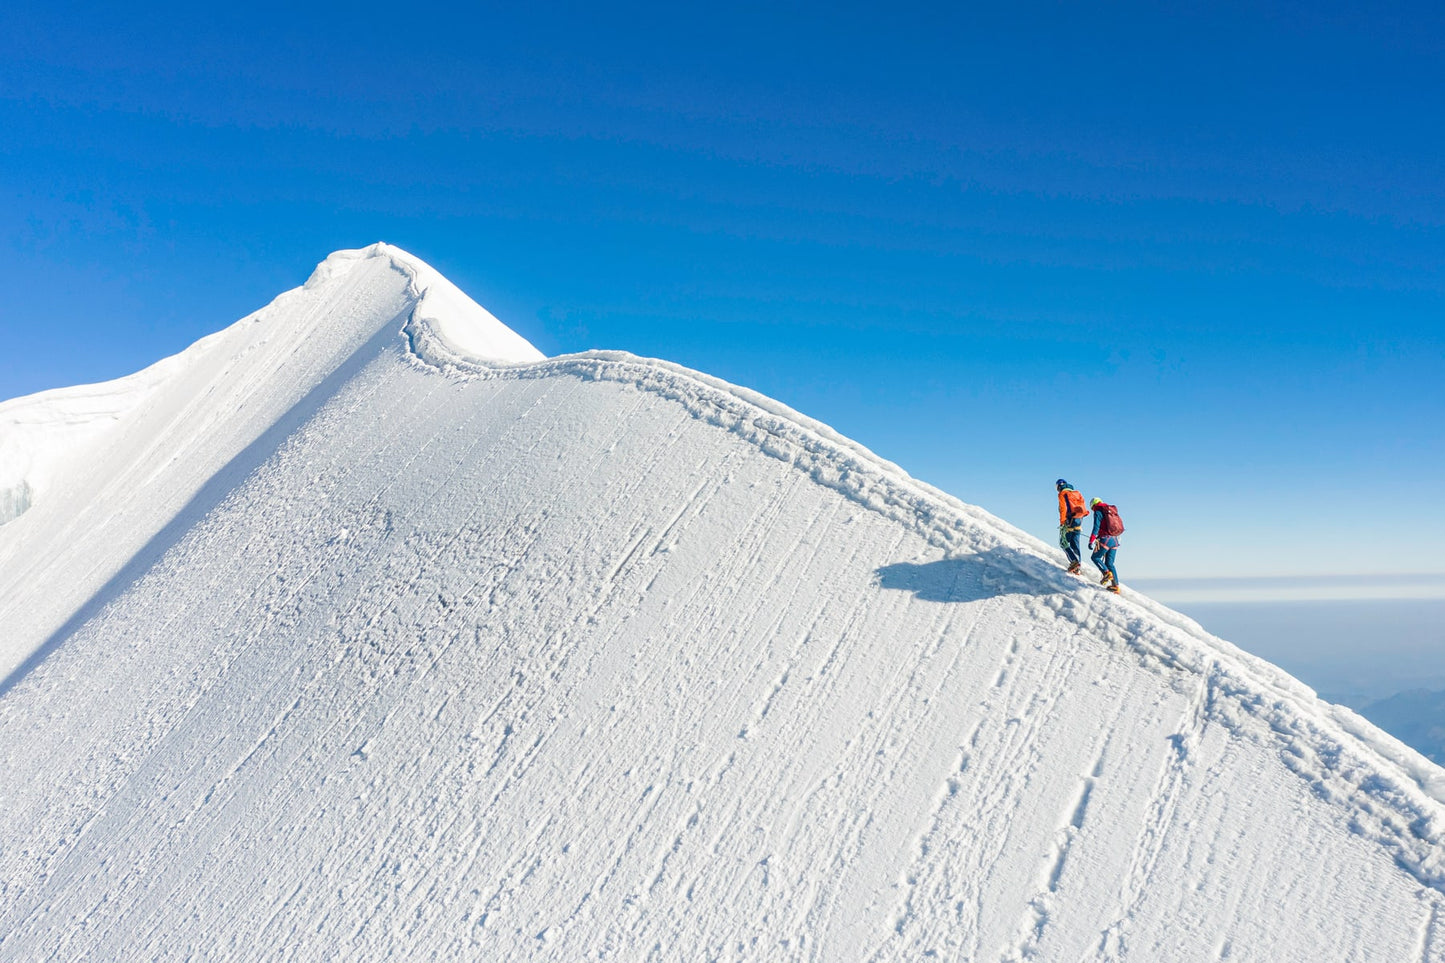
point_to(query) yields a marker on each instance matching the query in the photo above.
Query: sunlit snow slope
(359, 630)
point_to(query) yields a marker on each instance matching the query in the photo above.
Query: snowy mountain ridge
(359, 597)
(1402, 799)
(1329, 746)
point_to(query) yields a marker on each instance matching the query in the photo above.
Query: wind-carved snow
(14, 499)
(599, 657)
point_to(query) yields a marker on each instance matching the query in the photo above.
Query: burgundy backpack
(1110, 524)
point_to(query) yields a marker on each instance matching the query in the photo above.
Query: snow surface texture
(360, 630)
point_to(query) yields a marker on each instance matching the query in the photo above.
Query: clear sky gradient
(1191, 258)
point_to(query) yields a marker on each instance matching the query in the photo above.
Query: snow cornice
(446, 327)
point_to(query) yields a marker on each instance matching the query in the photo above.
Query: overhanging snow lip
(446, 327)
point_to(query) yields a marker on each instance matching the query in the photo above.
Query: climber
(1104, 541)
(1071, 514)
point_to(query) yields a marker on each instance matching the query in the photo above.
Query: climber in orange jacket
(1071, 515)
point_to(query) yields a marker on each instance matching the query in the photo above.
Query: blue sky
(1190, 257)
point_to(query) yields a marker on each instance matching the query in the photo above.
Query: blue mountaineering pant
(1069, 542)
(1104, 549)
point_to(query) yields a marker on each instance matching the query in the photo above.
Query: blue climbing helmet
(1061, 484)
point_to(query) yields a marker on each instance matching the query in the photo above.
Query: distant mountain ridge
(383, 636)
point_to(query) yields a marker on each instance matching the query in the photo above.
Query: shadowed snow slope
(336, 637)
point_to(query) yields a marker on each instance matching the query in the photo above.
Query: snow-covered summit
(366, 631)
(446, 325)
(40, 433)
(89, 474)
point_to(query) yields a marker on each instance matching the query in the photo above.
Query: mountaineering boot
(1105, 579)
(1114, 587)
(1073, 568)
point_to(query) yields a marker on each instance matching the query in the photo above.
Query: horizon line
(1375, 586)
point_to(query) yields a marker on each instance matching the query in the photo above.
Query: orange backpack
(1073, 503)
